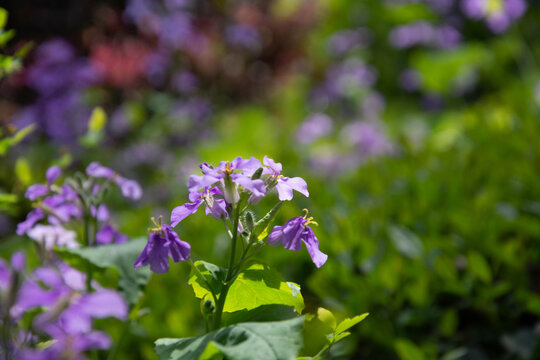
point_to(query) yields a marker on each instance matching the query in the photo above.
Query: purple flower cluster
(66, 311)
(220, 188)
(59, 77)
(423, 33)
(498, 14)
(62, 204)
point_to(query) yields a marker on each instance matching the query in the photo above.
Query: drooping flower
(163, 243)
(284, 185)
(214, 206)
(130, 188)
(227, 176)
(293, 233)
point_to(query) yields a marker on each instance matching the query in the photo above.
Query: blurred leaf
(118, 256)
(97, 120)
(327, 318)
(3, 17)
(276, 340)
(23, 172)
(455, 354)
(478, 266)
(8, 142)
(405, 241)
(408, 351)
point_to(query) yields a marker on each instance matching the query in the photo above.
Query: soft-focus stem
(90, 226)
(229, 277)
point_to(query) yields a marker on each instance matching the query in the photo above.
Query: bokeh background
(416, 124)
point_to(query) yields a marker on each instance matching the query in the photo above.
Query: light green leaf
(341, 336)
(262, 227)
(118, 256)
(98, 119)
(405, 241)
(327, 317)
(213, 278)
(349, 323)
(478, 265)
(408, 351)
(260, 285)
(23, 172)
(255, 286)
(3, 17)
(276, 340)
(262, 313)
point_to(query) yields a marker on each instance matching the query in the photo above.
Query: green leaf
(3, 17)
(327, 317)
(261, 227)
(276, 340)
(213, 278)
(405, 241)
(260, 285)
(6, 143)
(118, 256)
(408, 351)
(263, 313)
(349, 323)
(255, 286)
(478, 266)
(23, 172)
(97, 120)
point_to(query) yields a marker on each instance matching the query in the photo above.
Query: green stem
(229, 277)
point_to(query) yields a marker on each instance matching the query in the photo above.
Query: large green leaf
(257, 285)
(120, 257)
(276, 340)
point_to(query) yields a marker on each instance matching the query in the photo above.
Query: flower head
(163, 243)
(214, 206)
(293, 233)
(130, 188)
(284, 185)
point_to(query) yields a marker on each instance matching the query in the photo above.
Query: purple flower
(31, 219)
(498, 14)
(214, 206)
(130, 188)
(347, 40)
(36, 191)
(53, 173)
(293, 232)
(53, 235)
(243, 36)
(108, 234)
(227, 176)
(163, 243)
(284, 185)
(423, 33)
(313, 128)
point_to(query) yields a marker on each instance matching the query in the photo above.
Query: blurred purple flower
(498, 14)
(130, 188)
(53, 235)
(108, 234)
(243, 36)
(314, 127)
(347, 40)
(423, 33)
(368, 138)
(410, 80)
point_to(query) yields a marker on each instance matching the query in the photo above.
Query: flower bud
(249, 221)
(257, 174)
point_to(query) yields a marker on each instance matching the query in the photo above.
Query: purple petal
(18, 261)
(285, 187)
(248, 166)
(103, 303)
(155, 253)
(31, 219)
(108, 234)
(92, 340)
(97, 170)
(5, 275)
(53, 173)
(257, 187)
(130, 188)
(218, 209)
(276, 236)
(292, 231)
(178, 250)
(102, 213)
(271, 167)
(312, 245)
(179, 213)
(36, 191)
(195, 182)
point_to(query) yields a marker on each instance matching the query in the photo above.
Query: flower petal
(36, 191)
(312, 245)
(179, 213)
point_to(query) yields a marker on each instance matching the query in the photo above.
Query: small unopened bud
(249, 221)
(207, 307)
(230, 192)
(257, 174)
